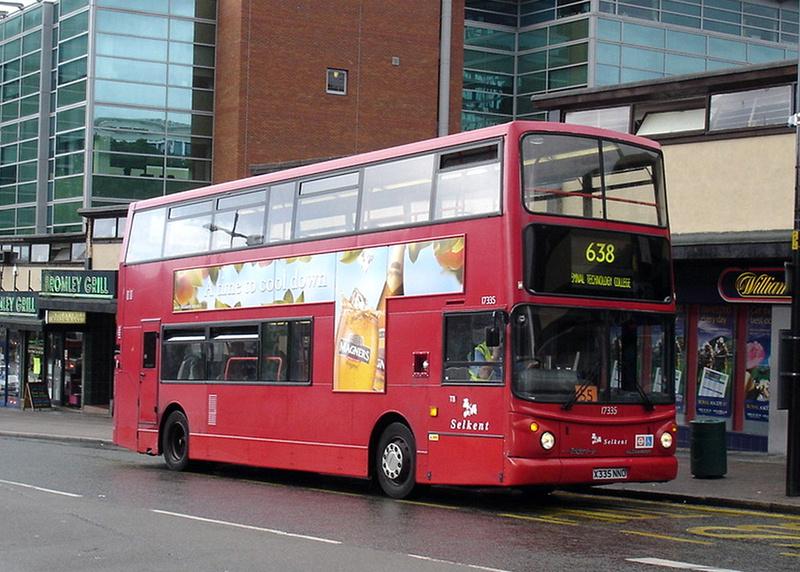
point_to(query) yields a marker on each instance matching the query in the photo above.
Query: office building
(514, 50)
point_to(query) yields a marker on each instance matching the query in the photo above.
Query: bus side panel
(465, 439)
(465, 460)
(284, 427)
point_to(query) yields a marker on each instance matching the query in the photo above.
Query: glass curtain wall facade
(22, 37)
(103, 102)
(514, 49)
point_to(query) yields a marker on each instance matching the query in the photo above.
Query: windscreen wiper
(646, 403)
(574, 397)
(591, 376)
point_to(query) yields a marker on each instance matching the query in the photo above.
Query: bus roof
(465, 137)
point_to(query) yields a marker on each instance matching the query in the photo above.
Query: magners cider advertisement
(357, 281)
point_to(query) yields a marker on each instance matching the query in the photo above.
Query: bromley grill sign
(766, 285)
(101, 284)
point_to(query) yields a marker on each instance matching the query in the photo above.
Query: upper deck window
(592, 178)
(146, 235)
(440, 185)
(239, 221)
(188, 228)
(469, 183)
(383, 183)
(327, 206)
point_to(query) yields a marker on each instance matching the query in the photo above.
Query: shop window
(615, 118)
(755, 108)
(758, 348)
(716, 343)
(40, 253)
(661, 123)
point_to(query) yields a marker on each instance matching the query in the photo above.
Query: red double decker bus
(488, 308)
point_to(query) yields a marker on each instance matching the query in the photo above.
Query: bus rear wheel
(175, 441)
(396, 461)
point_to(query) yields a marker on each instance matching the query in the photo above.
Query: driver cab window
(473, 348)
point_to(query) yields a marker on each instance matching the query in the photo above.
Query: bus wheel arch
(174, 439)
(393, 457)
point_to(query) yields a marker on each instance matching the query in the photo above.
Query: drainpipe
(445, 45)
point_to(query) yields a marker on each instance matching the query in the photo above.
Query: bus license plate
(609, 474)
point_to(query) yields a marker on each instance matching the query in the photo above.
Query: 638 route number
(600, 252)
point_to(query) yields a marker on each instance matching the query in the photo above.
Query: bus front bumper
(589, 471)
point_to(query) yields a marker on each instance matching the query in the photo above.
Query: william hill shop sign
(754, 285)
(95, 284)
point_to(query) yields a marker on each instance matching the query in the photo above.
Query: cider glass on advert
(356, 345)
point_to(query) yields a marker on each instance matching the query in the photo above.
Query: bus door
(465, 438)
(148, 378)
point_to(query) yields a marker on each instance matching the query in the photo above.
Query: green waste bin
(708, 452)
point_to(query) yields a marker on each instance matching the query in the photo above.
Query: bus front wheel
(175, 441)
(396, 461)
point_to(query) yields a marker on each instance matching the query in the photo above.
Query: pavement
(753, 481)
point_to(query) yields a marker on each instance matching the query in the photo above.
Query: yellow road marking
(785, 531)
(430, 504)
(663, 537)
(549, 520)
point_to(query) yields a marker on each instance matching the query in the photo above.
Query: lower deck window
(278, 351)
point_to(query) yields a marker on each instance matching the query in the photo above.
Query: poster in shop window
(680, 360)
(757, 353)
(715, 351)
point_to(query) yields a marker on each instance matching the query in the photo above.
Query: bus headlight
(666, 439)
(547, 440)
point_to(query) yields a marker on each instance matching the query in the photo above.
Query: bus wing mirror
(492, 337)
(493, 333)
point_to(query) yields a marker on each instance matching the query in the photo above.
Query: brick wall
(272, 105)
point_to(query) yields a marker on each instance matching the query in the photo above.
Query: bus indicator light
(534, 426)
(434, 412)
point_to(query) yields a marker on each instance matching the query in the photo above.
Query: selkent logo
(600, 440)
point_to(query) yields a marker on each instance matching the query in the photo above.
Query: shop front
(62, 335)
(79, 308)
(21, 345)
(727, 342)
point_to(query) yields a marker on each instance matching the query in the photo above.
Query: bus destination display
(600, 260)
(588, 262)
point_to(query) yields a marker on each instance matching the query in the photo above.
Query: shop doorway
(65, 367)
(11, 362)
